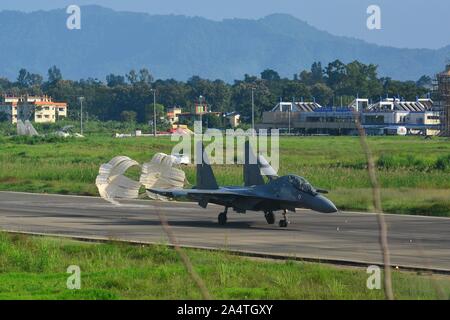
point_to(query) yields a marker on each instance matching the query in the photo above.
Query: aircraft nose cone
(324, 205)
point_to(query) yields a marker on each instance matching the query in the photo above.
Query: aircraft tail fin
(252, 172)
(205, 175)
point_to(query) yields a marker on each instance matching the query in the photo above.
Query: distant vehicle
(279, 193)
(396, 130)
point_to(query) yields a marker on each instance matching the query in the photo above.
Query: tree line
(129, 97)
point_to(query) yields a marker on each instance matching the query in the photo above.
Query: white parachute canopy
(112, 183)
(26, 129)
(158, 173)
(21, 130)
(30, 129)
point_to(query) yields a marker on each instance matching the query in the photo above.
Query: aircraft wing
(244, 192)
(224, 192)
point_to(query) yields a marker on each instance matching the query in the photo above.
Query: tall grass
(35, 268)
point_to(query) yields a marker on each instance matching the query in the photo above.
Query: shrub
(393, 162)
(443, 163)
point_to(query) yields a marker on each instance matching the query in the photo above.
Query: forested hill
(180, 47)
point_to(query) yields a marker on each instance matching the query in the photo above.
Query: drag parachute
(112, 183)
(158, 173)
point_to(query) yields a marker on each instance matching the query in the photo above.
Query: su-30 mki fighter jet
(284, 193)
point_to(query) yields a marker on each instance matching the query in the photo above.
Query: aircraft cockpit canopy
(302, 184)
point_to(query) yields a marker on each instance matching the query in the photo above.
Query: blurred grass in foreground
(35, 268)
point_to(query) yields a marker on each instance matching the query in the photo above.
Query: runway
(416, 242)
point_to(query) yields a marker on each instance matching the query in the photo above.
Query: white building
(42, 108)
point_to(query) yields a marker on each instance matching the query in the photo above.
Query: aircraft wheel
(270, 217)
(222, 218)
(283, 223)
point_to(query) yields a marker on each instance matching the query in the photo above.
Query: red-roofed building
(42, 108)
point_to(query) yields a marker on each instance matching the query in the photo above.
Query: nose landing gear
(284, 222)
(222, 218)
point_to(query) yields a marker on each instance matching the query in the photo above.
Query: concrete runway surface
(416, 242)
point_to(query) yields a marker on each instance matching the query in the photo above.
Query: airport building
(397, 116)
(42, 109)
(173, 115)
(234, 119)
(388, 116)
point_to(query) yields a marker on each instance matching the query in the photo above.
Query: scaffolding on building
(443, 92)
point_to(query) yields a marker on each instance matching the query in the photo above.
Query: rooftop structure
(395, 104)
(295, 106)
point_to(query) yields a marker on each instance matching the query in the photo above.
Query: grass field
(414, 173)
(35, 268)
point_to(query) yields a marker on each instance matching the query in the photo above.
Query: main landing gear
(284, 222)
(222, 218)
(270, 217)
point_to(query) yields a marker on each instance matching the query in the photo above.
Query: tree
(270, 75)
(145, 76)
(212, 121)
(54, 75)
(241, 98)
(297, 90)
(131, 92)
(316, 72)
(425, 82)
(35, 79)
(113, 80)
(322, 93)
(160, 112)
(128, 116)
(26, 79)
(306, 77)
(22, 79)
(132, 77)
(4, 116)
(336, 72)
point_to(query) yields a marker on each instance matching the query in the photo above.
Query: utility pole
(200, 98)
(81, 114)
(154, 111)
(289, 115)
(253, 111)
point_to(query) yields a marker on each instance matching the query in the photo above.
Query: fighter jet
(284, 193)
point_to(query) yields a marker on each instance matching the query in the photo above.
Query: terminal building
(395, 115)
(388, 116)
(41, 109)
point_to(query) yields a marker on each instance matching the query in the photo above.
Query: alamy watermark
(374, 19)
(374, 280)
(229, 147)
(74, 280)
(73, 22)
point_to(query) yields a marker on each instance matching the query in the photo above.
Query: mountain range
(174, 46)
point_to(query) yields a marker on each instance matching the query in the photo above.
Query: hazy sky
(405, 23)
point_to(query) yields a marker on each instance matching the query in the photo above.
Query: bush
(39, 139)
(7, 128)
(443, 163)
(397, 161)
